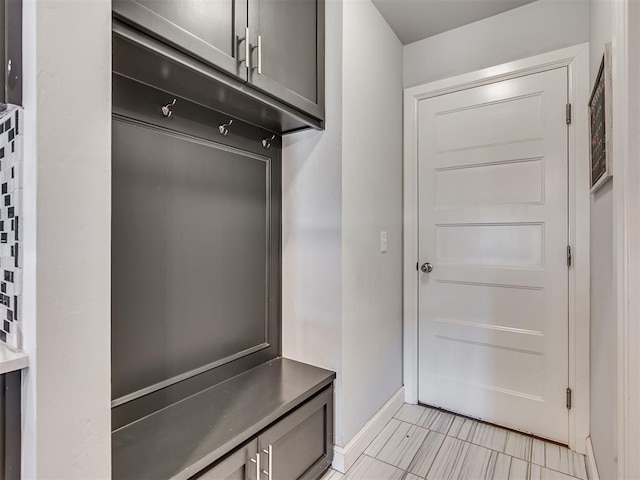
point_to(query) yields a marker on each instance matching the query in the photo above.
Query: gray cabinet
(282, 404)
(287, 38)
(297, 447)
(283, 41)
(237, 466)
(210, 30)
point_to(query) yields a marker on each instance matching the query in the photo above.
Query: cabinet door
(300, 446)
(240, 465)
(287, 38)
(210, 30)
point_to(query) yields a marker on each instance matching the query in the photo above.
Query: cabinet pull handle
(259, 54)
(247, 48)
(270, 464)
(257, 462)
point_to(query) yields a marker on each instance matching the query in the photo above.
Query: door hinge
(569, 398)
(568, 114)
(569, 256)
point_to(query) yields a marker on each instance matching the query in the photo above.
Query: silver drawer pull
(270, 453)
(247, 48)
(259, 54)
(257, 462)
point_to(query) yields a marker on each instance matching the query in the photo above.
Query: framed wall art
(600, 123)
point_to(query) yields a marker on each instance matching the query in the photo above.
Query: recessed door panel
(490, 123)
(507, 183)
(500, 307)
(505, 245)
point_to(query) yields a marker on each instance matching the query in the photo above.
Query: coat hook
(166, 109)
(266, 142)
(223, 128)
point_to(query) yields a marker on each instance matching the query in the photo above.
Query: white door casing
(576, 59)
(493, 222)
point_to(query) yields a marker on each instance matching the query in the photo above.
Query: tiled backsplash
(11, 168)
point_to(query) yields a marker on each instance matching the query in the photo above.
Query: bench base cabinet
(236, 466)
(297, 447)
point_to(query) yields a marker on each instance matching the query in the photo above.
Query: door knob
(426, 267)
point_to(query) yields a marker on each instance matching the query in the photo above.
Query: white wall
(603, 281)
(312, 228)
(371, 203)
(341, 187)
(67, 99)
(534, 28)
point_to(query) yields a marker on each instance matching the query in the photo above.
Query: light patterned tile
(561, 459)
(502, 467)
(463, 428)
(426, 454)
(495, 438)
(519, 469)
(437, 420)
(368, 468)
(383, 437)
(509, 468)
(448, 462)
(412, 414)
(518, 446)
(436, 445)
(537, 453)
(458, 460)
(489, 436)
(332, 475)
(411, 476)
(479, 463)
(541, 473)
(403, 445)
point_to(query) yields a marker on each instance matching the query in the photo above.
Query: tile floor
(423, 443)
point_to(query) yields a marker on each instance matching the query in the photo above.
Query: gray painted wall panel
(189, 255)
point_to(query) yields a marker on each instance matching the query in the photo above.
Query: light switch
(384, 244)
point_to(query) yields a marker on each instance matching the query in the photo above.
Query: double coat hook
(166, 109)
(266, 142)
(224, 128)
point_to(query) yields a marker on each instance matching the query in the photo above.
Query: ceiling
(414, 20)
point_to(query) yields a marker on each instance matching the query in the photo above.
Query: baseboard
(345, 457)
(592, 468)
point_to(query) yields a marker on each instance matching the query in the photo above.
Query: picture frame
(600, 124)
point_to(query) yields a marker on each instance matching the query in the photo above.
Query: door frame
(576, 59)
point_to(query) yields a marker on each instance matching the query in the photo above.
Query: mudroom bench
(272, 422)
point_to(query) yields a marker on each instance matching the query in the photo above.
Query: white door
(493, 203)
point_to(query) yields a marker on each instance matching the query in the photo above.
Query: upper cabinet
(287, 45)
(205, 29)
(274, 46)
